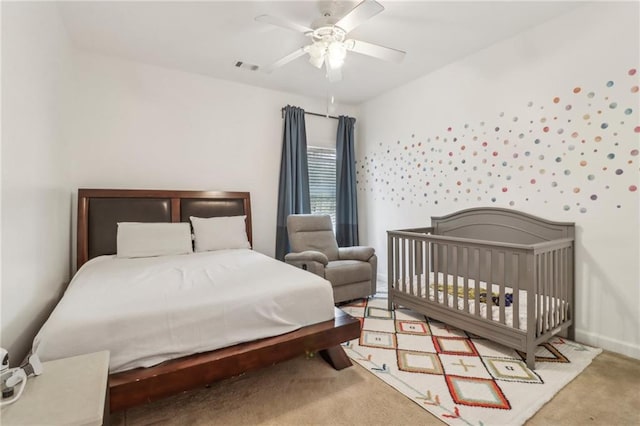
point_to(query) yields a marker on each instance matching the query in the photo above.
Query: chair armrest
(307, 256)
(356, 253)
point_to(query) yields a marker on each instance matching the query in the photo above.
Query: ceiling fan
(329, 43)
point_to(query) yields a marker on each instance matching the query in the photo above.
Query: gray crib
(463, 269)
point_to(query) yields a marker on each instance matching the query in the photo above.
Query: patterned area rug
(458, 377)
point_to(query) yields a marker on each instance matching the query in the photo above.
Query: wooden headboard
(100, 210)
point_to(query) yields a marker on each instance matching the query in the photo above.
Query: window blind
(322, 181)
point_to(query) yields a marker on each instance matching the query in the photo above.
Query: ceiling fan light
(336, 52)
(316, 61)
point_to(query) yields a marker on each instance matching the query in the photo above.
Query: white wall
(36, 199)
(421, 152)
(140, 126)
(72, 119)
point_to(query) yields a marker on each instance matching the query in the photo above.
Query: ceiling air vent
(244, 65)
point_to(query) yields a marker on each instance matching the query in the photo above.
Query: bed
(102, 310)
(497, 273)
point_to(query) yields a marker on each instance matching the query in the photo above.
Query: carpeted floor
(308, 391)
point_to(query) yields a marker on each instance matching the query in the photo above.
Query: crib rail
(461, 274)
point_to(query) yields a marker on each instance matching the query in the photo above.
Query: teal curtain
(293, 192)
(346, 196)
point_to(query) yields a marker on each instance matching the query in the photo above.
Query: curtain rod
(316, 114)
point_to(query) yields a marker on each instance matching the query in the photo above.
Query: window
(322, 181)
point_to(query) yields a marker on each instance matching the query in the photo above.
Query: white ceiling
(210, 37)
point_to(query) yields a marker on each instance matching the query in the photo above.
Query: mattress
(149, 310)
(447, 299)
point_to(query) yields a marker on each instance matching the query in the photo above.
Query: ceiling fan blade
(333, 74)
(283, 61)
(283, 23)
(375, 50)
(356, 16)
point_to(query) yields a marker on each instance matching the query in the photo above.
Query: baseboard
(609, 344)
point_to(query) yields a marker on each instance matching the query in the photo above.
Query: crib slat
(545, 292)
(489, 284)
(445, 274)
(502, 267)
(465, 269)
(419, 270)
(532, 302)
(549, 309)
(436, 267)
(478, 259)
(515, 302)
(429, 266)
(556, 288)
(454, 261)
(410, 265)
(403, 277)
(567, 282)
(536, 291)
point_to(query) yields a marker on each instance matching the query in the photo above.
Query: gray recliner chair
(351, 270)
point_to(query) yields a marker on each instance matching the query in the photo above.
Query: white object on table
(70, 391)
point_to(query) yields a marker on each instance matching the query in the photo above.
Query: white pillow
(218, 233)
(137, 239)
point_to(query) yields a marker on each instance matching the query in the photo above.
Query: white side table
(70, 391)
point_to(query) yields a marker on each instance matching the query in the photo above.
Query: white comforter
(148, 310)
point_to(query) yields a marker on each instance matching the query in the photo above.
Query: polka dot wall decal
(611, 156)
(633, 188)
(545, 129)
(385, 172)
(634, 89)
(604, 125)
(566, 207)
(583, 210)
(556, 100)
(609, 83)
(619, 172)
(632, 71)
(594, 197)
(634, 152)
(576, 190)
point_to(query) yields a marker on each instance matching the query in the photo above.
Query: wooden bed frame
(99, 211)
